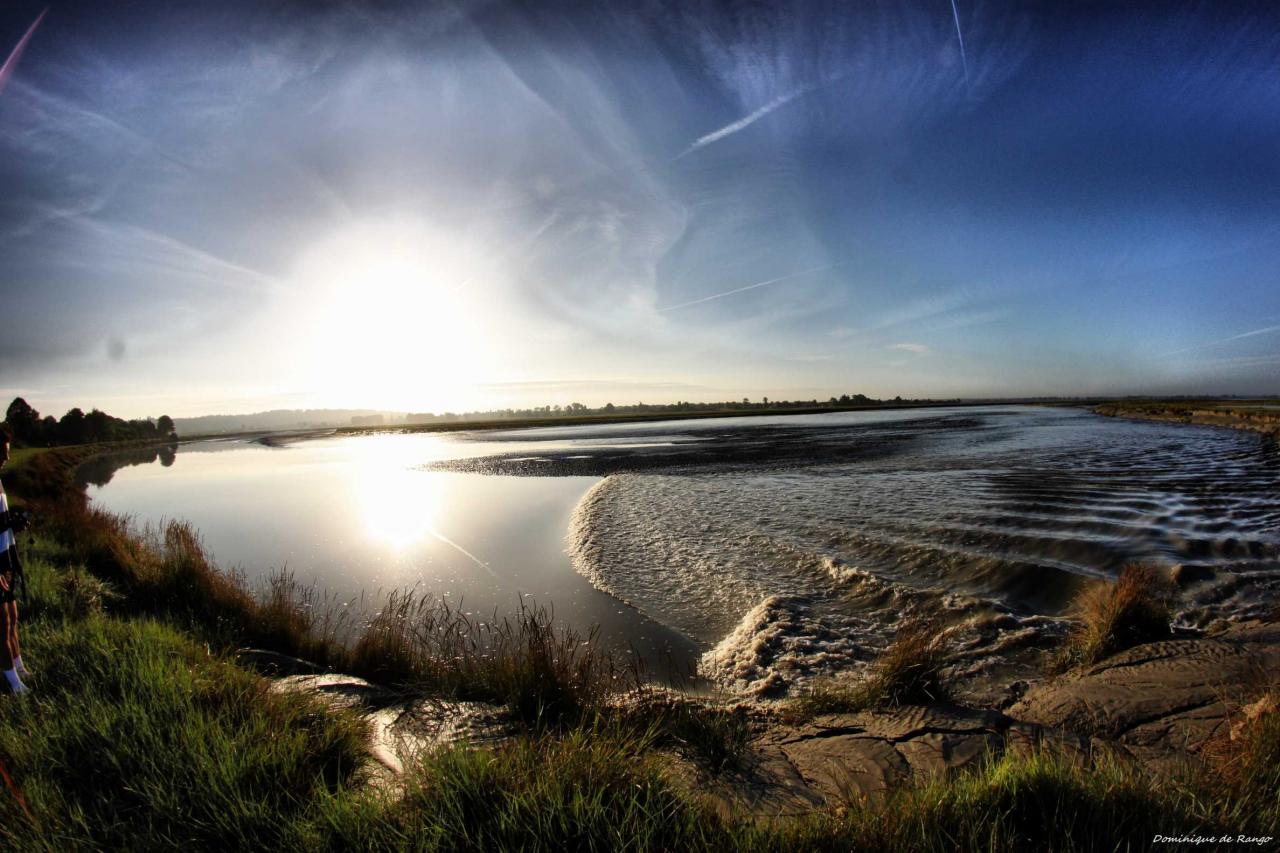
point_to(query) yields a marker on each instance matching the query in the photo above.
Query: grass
(1244, 758)
(715, 736)
(545, 674)
(587, 790)
(606, 790)
(909, 672)
(1113, 616)
(138, 738)
(1035, 801)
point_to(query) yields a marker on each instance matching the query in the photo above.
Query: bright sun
(396, 317)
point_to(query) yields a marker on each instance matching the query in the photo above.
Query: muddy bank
(1156, 707)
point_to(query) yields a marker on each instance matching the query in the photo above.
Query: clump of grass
(289, 616)
(1136, 608)
(546, 674)
(84, 595)
(909, 672)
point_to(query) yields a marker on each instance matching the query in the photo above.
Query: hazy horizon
(468, 206)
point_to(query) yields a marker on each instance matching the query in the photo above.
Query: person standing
(10, 569)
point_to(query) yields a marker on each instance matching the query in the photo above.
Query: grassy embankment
(1262, 415)
(141, 732)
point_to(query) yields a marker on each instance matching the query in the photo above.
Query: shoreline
(1260, 419)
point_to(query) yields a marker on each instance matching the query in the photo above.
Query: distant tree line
(580, 410)
(75, 427)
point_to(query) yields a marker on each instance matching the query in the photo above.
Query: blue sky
(417, 206)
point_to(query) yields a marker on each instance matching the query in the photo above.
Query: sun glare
(397, 504)
(396, 317)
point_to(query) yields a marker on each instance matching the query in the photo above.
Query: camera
(16, 520)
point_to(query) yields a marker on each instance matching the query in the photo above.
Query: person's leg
(12, 638)
(8, 631)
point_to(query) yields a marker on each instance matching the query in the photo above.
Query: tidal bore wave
(803, 566)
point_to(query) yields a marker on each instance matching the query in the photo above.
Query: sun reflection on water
(398, 505)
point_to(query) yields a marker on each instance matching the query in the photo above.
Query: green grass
(1037, 801)
(136, 738)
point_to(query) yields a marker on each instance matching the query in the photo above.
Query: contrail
(479, 562)
(744, 122)
(744, 289)
(1264, 331)
(964, 62)
(11, 63)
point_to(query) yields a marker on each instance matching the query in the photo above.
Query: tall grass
(1243, 759)
(1136, 608)
(546, 674)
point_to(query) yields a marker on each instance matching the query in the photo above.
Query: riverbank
(136, 640)
(283, 436)
(1256, 416)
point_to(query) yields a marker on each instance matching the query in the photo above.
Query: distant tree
(24, 421)
(71, 427)
(49, 430)
(164, 425)
(97, 426)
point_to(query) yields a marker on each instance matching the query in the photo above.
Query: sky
(215, 208)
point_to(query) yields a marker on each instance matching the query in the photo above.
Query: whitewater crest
(781, 643)
(702, 557)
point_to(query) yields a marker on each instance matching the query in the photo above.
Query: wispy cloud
(744, 289)
(917, 349)
(1240, 362)
(1266, 330)
(593, 387)
(63, 116)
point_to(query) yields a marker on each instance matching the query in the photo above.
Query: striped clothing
(6, 538)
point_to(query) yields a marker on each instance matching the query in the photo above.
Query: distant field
(579, 420)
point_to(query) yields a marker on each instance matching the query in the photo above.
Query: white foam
(779, 645)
